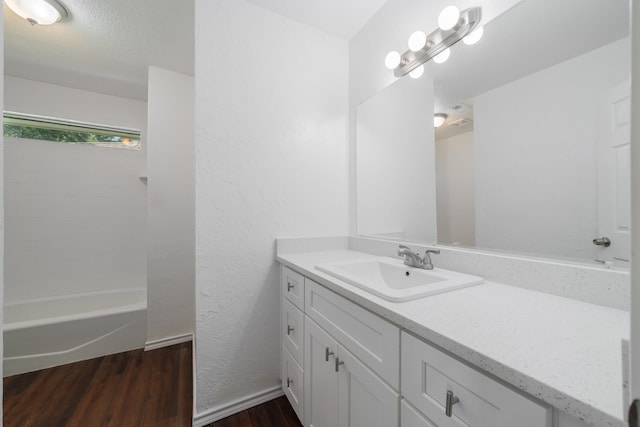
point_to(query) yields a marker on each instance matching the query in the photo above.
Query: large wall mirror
(533, 157)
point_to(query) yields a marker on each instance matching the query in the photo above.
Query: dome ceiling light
(41, 12)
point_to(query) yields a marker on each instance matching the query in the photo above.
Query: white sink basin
(391, 280)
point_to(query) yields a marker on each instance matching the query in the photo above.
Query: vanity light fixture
(42, 12)
(453, 26)
(438, 119)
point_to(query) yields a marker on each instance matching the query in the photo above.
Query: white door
(364, 399)
(614, 176)
(321, 379)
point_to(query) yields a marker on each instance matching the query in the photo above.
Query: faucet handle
(403, 247)
(433, 251)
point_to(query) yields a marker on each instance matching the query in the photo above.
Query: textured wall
(75, 214)
(271, 161)
(171, 196)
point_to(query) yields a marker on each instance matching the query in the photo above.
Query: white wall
(388, 30)
(75, 214)
(396, 180)
(535, 144)
(271, 161)
(1, 196)
(171, 197)
(455, 189)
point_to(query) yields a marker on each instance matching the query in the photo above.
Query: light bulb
(417, 72)
(438, 119)
(41, 12)
(448, 18)
(442, 56)
(392, 60)
(474, 37)
(417, 41)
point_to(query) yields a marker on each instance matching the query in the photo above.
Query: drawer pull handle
(289, 330)
(289, 286)
(338, 363)
(451, 400)
(289, 382)
(327, 353)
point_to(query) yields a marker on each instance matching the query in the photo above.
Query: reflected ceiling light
(474, 37)
(417, 41)
(417, 73)
(448, 18)
(43, 12)
(392, 60)
(453, 27)
(438, 119)
(442, 56)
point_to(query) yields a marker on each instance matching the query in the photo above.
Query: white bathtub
(48, 332)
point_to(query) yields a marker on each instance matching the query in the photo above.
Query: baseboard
(166, 342)
(223, 411)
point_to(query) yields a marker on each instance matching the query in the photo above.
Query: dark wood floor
(276, 413)
(136, 388)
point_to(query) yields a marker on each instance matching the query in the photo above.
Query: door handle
(603, 241)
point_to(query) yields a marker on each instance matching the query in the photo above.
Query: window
(27, 126)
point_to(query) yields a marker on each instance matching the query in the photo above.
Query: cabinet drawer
(293, 330)
(293, 382)
(428, 374)
(370, 338)
(409, 417)
(292, 284)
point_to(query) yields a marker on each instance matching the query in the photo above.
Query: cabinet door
(364, 399)
(321, 380)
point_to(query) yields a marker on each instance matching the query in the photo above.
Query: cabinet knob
(289, 286)
(289, 382)
(289, 330)
(327, 353)
(338, 363)
(451, 400)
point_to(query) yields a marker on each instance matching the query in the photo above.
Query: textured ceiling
(104, 46)
(341, 18)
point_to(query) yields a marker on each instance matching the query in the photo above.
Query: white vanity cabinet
(343, 366)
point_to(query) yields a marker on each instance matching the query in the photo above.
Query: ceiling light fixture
(42, 12)
(453, 26)
(438, 119)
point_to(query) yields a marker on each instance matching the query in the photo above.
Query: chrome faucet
(414, 260)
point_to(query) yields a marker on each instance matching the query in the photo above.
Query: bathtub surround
(171, 208)
(55, 331)
(76, 214)
(271, 144)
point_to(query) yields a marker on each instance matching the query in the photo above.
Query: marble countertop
(565, 352)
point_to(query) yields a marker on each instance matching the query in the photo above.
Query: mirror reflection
(533, 156)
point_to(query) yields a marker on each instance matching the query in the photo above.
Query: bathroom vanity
(486, 355)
